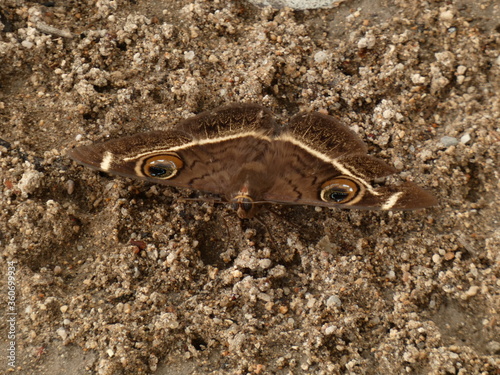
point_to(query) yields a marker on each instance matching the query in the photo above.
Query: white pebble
(446, 15)
(449, 141)
(472, 291)
(70, 186)
(188, 55)
(62, 333)
(30, 181)
(296, 4)
(333, 301)
(320, 57)
(27, 44)
(436, 258)
(330, 329)
(388, 114)
(461, 69)
(265, 263)
(465, 138)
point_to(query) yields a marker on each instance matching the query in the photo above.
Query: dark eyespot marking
(340, 190)
(163, 166)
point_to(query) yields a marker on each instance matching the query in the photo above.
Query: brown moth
(239, 152)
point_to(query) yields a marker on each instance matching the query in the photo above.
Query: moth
(240, 153)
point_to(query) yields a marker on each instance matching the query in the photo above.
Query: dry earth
(115, 276)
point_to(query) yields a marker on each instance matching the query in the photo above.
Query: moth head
(244, 206)
(161, 166)
(341, 190)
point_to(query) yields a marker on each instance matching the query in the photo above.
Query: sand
(110, 275)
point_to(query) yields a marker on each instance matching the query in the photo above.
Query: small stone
(388, 114)
(27, 44)
(62, 333)
(465, 138)
(189, 55)
(213, 59)
(330, 330)
(417, 79)
(333, 301)
(446, 15)
(461, 69)
(296, 4)
(368, 42)
(436, 258)
(70, 186)
(449, 255)
(321, 57)
(265, 263)
(493, 347)
(449, 141)
(30, 181)
(472, 291)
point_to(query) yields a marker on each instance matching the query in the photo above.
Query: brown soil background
(199, 292)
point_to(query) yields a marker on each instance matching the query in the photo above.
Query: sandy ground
(115, 276)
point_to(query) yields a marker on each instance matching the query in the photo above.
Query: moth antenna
(214, 200)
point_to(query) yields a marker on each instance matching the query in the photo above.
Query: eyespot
(340, 190)
(162, 166)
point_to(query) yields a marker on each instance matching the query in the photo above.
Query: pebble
(472, 291)
(449, 141)
(446, 15)
(70, 186)
(27, 44)
(189, 55)
(296, 4)
(321, 57)
(333, 301)
(62, 333)
(57, 270)
(465, 138)
(30, 181)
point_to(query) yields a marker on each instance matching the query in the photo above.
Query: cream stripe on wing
(337, 164)
(107, 159)
(197, 143)
(391, 201)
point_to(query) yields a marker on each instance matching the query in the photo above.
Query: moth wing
(212, 147)
(216, 166)
(230, 120)
(304, 174)
(325, 134)
(118, 156)
(208, 165)
(405, 196)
